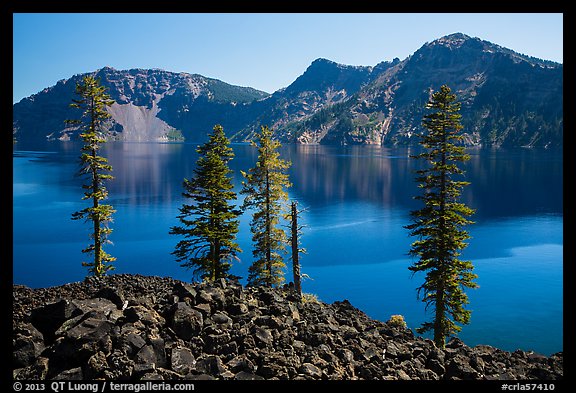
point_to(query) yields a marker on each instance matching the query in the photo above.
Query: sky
(263, 51)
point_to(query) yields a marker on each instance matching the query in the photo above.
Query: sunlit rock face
(508, 99)
(148, 105)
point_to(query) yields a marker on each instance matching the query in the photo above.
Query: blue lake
(358, 199)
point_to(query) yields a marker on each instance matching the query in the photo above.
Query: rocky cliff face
(508, 99)
(149, 103)
(130, 327)
(324, 83)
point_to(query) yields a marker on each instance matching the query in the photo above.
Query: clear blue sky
(264, 51)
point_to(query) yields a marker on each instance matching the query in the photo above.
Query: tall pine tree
(265, 193)
(93, 100)
(210, 222)
(438, 225)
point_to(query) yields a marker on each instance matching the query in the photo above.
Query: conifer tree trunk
(268, 234)
(295, 250)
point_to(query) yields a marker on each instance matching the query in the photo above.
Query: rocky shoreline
(131, 327)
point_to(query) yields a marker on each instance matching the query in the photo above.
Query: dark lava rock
(263, 336)
(114, 295)
(72, 374)
(310, 370)
(48, 318)
(245, 376)
(186, 322)
(184, 291)
(28, 344)
(132, 327)
(211, 365)
(182, 360)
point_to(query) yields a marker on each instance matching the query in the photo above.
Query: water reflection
(513, 182)
(324, 174)
(504, 183)
(144, 172)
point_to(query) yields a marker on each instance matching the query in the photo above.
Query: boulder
(247, 376)
(96, 366)
(211, 365)
(183, 291)
(222, 320)
(133, 341)
(310, 370)
(48, 318)
(237, 309)
(186, 322)
(147, 316)
(91, 329)
(74, 374)
(182, 361)
(27, 345)
(458, 367)
(115, 295)
(36, 371)
(153, 353)
(263, 336)
(204, 308)
(241, 363)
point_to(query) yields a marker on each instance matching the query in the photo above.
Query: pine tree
(439, 224)
(265, 192)
(93, 101)
(210, 222)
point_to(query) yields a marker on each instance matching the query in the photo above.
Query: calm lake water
(358, 200)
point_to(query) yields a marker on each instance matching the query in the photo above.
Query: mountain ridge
(490, 82)
(508, 99)
(148, 104)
